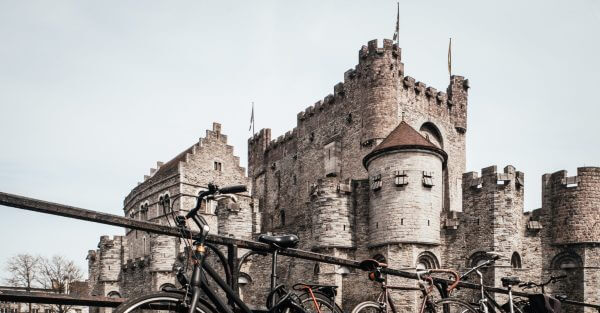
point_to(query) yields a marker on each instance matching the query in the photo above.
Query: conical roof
(403, 137)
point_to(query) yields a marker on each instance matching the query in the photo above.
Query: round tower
(331, 214)
(574, 203)
(378, 71)
(405, 173)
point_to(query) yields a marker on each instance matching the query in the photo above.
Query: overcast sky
(93, 93)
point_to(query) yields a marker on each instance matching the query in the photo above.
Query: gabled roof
(404, 137)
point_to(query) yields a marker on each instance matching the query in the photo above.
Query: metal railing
(232, 245)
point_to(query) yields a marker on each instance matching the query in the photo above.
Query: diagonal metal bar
(41, 206)
(53, 298)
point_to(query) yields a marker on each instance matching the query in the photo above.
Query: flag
(252, 120)
(397, 32)
(450, 57)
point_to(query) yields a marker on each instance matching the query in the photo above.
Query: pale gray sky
(93, 93)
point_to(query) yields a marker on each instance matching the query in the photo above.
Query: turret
(332, 217)
(378, 71)
(109, 260)
(234, 218)
(573, 204)
(405, 172)
(457, 102)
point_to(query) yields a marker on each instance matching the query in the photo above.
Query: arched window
(114, 294)
(168, 286)
(477, 258)
(317, 269)
(427, 260)
(144, 211)
(566, 261)
(282, 217)
(515, 260)
(165, 202)
(433, 134)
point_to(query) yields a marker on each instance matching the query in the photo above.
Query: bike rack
(232, 264)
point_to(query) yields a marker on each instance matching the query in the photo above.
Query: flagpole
(450, 58)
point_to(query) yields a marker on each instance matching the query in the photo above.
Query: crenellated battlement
(372, 49)
(490, 178)
(423, 91)
(281, 140)
(108, 241)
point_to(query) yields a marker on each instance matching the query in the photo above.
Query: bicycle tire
(450, 305)
(322, 299)
(163, 301)
(367, 307)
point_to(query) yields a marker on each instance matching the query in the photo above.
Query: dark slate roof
(403, 137)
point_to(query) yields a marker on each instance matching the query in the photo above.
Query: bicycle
(322, 297)
(426, 285)
(196, 296)
(486, 303)
(539, 302)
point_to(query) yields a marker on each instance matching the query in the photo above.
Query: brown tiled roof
(403, 137)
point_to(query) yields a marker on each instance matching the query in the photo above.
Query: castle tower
(332, 217)
(406, 198)
(378, 71)
(110, 259)
(492, 219)
(571, 241)
(574, 204)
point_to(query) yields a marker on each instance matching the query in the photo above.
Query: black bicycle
(196, 296)
(486, 302)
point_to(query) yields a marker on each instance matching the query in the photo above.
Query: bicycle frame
(385, 300)
(199, 282)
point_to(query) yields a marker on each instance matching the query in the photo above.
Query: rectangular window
(218, 166)
(428, 179)
(401, 178)
(376, 182)
(332, 158)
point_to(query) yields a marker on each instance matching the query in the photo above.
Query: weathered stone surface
(410, 207)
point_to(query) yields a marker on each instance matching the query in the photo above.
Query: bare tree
(23, 271)
(57, 274)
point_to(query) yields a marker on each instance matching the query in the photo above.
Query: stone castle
(374, 170)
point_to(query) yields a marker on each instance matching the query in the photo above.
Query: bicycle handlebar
(214, 189)
(552, 279)
(454, 273)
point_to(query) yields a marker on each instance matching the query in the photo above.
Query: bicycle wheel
(367, 307)
(321, 303)
(449, 305)
(163, 302)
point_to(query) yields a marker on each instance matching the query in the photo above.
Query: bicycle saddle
(510, 281)
(280, 242)
(370, 264)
